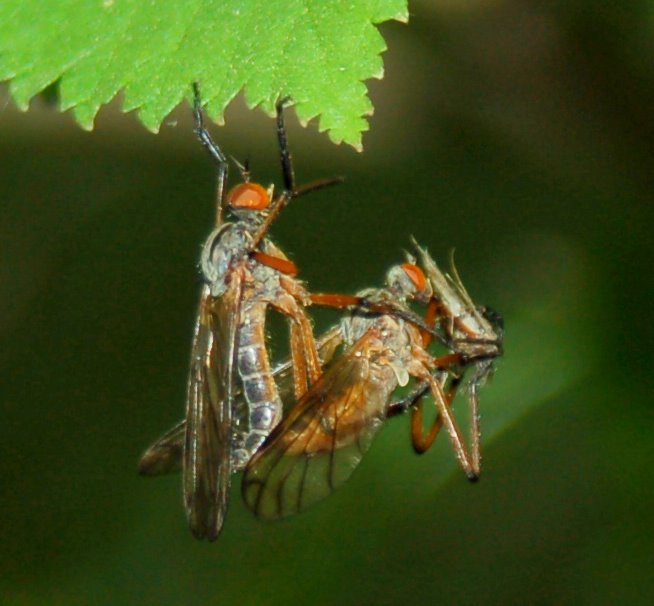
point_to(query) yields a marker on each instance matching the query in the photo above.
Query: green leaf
(317, 52)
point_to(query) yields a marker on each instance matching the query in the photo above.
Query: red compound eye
(248, 195)
(416, 275)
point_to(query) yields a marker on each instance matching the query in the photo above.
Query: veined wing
(327, 345)
(165, 455)
(318, 445)
(207, 446)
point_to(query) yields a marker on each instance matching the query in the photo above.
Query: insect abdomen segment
(264, 407)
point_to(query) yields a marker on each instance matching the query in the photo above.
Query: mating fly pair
(234, 402)
(244, 275)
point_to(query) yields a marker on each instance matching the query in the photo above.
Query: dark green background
(520, 133)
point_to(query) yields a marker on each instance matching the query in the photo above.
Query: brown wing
(165, 455)
(326, 345)
(321, 441)
(207, 445)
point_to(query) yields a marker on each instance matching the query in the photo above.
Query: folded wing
(320, 442)
(207, 446)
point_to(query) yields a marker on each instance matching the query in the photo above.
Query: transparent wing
(165, 455)
(207, 444)
(321, 441)
(326, 344)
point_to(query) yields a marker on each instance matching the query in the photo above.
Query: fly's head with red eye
(249, 201)
(407, 281)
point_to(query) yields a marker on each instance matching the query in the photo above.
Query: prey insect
(475, 333)
(244, 275)
(322, 439)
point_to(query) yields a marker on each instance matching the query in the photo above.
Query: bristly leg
(212, 147)
(284, 153)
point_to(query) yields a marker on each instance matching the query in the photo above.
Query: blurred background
(519, 133)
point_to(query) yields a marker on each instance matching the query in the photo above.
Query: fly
(244, 274)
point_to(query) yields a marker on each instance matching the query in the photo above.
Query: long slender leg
(481, 372)
(213, 149)
(284, 266)
(327, 345)
(337, 301)
(295, 308)
(309, 346)
(300, 376)
(399, 407)
(340, 301)
(304, 355)
(284, 153)
(433, 311)
(422, 443)
(286, 159)
(316, 185)
(466, 461)
(475, 428)
(288, 174)
(304, 350)
(276, 207)
(282, 200)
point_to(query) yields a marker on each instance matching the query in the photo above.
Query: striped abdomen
(261, 407)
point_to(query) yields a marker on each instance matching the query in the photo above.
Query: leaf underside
(317, 52)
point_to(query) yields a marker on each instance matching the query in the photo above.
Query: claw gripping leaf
(318, 52)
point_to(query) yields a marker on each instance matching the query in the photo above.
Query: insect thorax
(225, 244)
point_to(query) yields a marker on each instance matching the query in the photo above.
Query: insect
(476, 335)
(244, 275)
(319, 443)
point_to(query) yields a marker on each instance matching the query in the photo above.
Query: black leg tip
(197, 102)
(282, 103)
